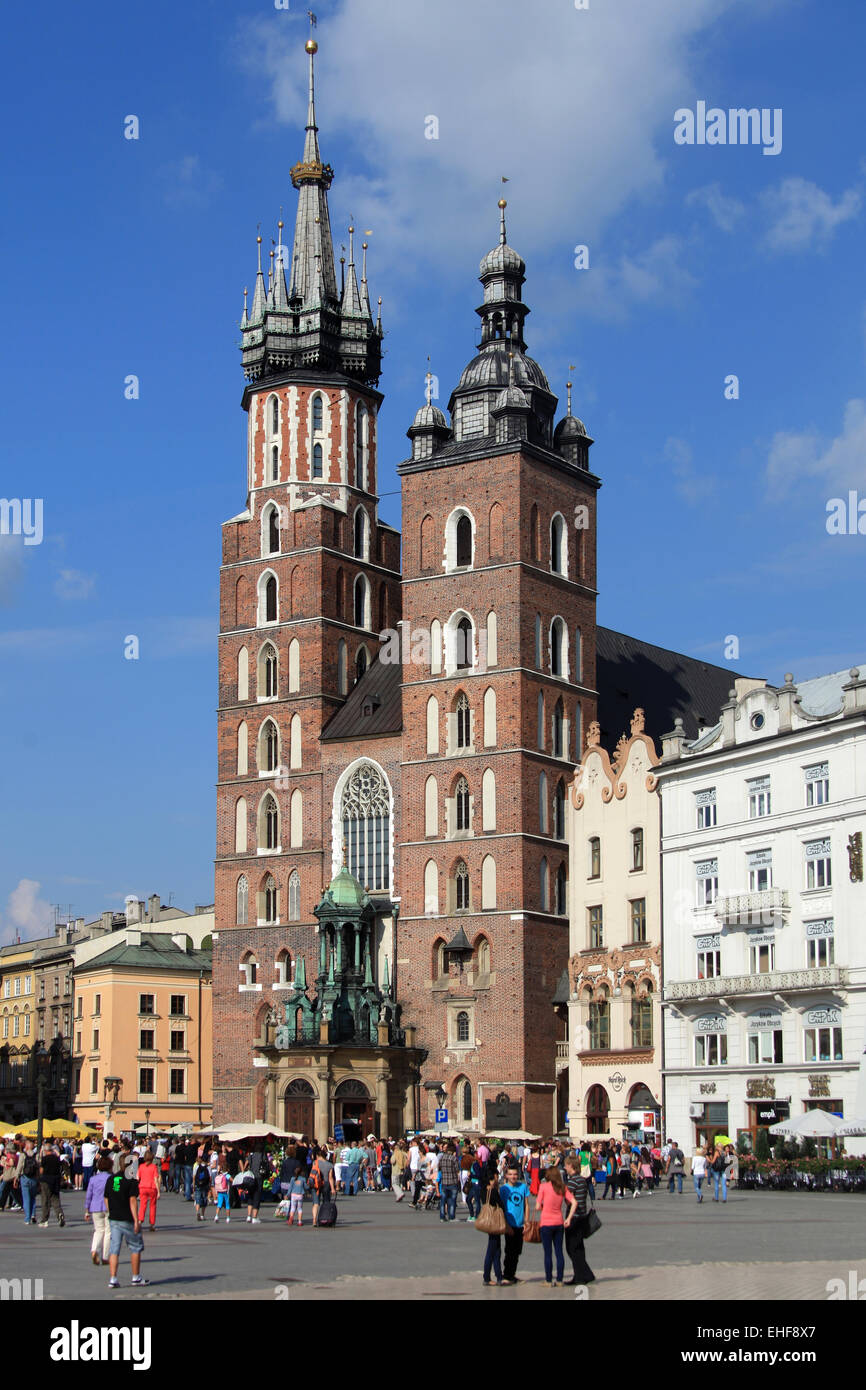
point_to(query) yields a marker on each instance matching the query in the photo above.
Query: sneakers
(249, 1217)
(228, 1218)
(114, 1283)
(217, 1217)
(257, 1222)
(43, 1224)
(137, 1281)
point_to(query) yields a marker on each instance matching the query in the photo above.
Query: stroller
(429, 1199)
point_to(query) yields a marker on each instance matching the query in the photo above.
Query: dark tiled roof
(665, 684)
(380, 683)
(156, 952)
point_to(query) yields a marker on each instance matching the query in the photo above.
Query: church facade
(436, 769)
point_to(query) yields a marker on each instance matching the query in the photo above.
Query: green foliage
(762, 1146)
(810, 1149)
(743, 1146)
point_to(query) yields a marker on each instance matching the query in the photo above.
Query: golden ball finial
(259, 240)
(280, 225)
(351, 229)
(311, 46)
(502, 203)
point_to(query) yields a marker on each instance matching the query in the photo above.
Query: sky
(127, 258)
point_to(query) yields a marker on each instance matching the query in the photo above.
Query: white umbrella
(253, 1131)
(851, 1129)
(516, 1134)
(812, 1124)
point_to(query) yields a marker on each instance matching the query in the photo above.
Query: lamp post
(41, 1059)
(146, 1126)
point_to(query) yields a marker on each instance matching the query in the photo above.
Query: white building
(764, 909)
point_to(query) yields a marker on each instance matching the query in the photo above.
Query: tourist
(552, 1193)
(222, 1194)
(258, 1166)
(95, 1210)
(12, 1163)
(431, 1168)
(89, 1152)
(623, 1170)
(399, 1169)
(720, 1173)
(386, 1168)
(574, 1228)
(644, 1171)
(675, 1167)
(699, 1171)
(148, 1187)
(28, 1182)
(490, 1192)
(733, 1165)
(322, 1181)
(656, 1160)
(121, 1196)
(474, 1186)
(351, 1167)
(449, 1182)
(515, 1200)
(415, 1170)
(201, 1182)
(184, 1158)
(49, 1182)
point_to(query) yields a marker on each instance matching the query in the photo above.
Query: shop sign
(711, 1023)
(772, 1114)
(763, 1018)
(822, 1018)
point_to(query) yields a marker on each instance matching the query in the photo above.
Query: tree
(762, 1146)
(809, 1147)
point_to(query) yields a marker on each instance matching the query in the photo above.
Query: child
(201, 1180)
(297, 1189)
(221, 1187)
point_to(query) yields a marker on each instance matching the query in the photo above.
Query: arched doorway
(597, 1110)
(299, 1098)
(353, 1108)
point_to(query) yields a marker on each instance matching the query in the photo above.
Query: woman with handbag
(491, 1220)
(575, 1229)
(551, 1195)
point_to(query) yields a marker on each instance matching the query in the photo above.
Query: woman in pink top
(551, 1195)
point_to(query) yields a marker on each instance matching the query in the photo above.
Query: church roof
(346, 890)
(378, 691)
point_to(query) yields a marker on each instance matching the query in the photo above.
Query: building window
(317, 461)
(596, 927)
(638, 919)
(463, 721)
(760, 863)
(463, 643)
(362, 605)
(178, 1005)
(360, 663)
(273, 532)
(818, 864)
(268, 669)
(275, 415)
(642, 1022)
(597, 1110)
(270, 599)
(56, 994)
(709, 963)
(823, 1045)
(594, 858)
(270, 899)
(145, 1039)
(275, 464)
(41, 987)
(461, 887)
(558, 726)
(365, 815)
(463, 1026)
(269, 837)
(294, 896)
(817, 784)
(561, 904)
(599, 1025)
(243, 900)
(318, 415)
(705, 804)
(765, 1047)
(542, 802)
(759, 796)
(636, 850)
(177, 1081)
(360, 534)
(249, 971)
(461, 799)
(559, 812)
(820, 944)
(706, 882)
(545, 886)
(557, 545)
(711, 1050)
(79, 1008)
(361, 446)
(269, 747)
(464, 541)
(762, 958)
(17, 986)
(94, 1080)
(145, 1081)
(467, 1101)
(558, 648)
(146, 1004)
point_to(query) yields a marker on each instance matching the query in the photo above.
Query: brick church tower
(309, 577)
(500, 569)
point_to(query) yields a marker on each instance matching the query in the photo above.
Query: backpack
(222, 1182)
(316, 1177)
(31, 1167)
(202, 1176)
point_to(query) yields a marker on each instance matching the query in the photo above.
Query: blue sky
(129, 257)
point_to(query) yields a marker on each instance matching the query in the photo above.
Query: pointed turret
(260, 297)
(351, 306)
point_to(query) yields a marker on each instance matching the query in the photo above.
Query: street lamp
(41, 1059)
(146, 1126)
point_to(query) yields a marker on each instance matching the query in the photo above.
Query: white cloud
(725, 212)
(27, 915)
(72, 584)
(187, 184)
(692, 487)
(802, 216)
(582, 124)
(794, 457)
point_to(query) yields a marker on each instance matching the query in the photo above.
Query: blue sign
(338, 1133)
(441, 1117)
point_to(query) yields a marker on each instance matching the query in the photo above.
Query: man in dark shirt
(49, 1182)
(184, 1157)
(449, 1183)
(121, 1198)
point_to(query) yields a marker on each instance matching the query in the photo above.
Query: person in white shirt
(415, 1170)
(699, 1172)
(89, 1150)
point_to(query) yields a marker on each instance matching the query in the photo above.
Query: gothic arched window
(270, 899)
(268, 672)
(271, 599)
(294, 896)
(275, 415)
(463, 1026)
(360, 663)
(243, 900)
(559, 812)
(270, 824)
(273, 532)
(467, 1101)
(269, 748)
(317, 461)
(360, 533)
(561, 904)
(558, 726)
(365, 816)
(461, 798)
(463, 721)
(557, 545)
(464, 644)
(461, 887)
(275, 464)
(318, 415)
(464, 541)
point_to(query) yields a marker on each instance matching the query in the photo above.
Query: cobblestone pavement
(656, 1248)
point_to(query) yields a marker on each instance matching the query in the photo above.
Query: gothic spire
(351, 297)
(312, 179)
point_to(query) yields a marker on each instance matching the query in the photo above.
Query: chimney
(181, 941)
(107, 921)
(673, 743)
(787, 700)
(133, 936)
(729, 714)
(153, 908)
(79, 926)
(134, 911)
(853, 695)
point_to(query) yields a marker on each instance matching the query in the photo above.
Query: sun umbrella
(851, 1129)
(723, 1139)
(54, 1129)
(515, 1134)
(812, 1124)
(253, 1130)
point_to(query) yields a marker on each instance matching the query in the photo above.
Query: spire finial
(502, 206)
(379, 315)
(510, 360)
(364, 245)
(351, 244)
(259, 243)
(428, 390)
(312, 48)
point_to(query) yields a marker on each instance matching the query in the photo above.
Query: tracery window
(366, 820)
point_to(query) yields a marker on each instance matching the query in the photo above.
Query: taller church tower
(500, 570)
(309, 577)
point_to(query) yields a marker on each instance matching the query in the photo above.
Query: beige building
(142, 1026)
(614, 1014)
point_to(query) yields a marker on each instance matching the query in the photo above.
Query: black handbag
(592, 1222)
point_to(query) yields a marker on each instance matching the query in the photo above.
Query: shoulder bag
(490, 1220)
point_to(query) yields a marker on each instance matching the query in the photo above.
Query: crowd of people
(513, 1191)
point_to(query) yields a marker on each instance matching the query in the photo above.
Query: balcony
(561, 1056)
(775, 982)
(752, 909)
